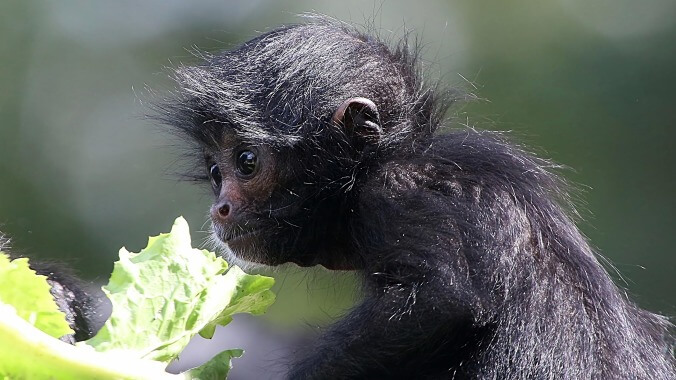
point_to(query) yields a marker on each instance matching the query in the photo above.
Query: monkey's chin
(247, 252)
(243, 252)
(239, 259)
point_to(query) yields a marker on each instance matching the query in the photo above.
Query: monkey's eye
(215, 176)
(246, 163)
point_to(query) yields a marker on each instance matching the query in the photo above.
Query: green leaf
(217, 368)
(28, 293)
(28, 353)
(168, 292)
(161, 296)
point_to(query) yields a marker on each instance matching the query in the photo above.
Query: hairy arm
(397, 322)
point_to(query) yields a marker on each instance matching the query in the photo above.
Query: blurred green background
(591, 85)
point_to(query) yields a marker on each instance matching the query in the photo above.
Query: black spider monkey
(322, 147)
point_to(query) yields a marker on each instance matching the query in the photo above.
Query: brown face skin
(268, 215)
(243, 178)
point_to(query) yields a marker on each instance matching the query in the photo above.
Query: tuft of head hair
(283, 87)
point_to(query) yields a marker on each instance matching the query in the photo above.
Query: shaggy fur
(473, 266)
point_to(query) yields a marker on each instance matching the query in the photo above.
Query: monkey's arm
(379, 333)
(81, 303)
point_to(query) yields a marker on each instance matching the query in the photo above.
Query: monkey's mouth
(240, 238)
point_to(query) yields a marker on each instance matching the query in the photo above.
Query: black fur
(472, 263)
(81, 304)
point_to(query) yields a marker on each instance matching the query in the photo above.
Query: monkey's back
(492, 229)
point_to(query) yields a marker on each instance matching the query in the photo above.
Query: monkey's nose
(220, 211)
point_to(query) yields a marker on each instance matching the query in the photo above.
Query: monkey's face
(265, 209)
(291, 203)
(242, 177)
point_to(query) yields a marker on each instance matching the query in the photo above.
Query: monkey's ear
(360, 116)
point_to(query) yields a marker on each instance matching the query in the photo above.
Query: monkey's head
(288, 125)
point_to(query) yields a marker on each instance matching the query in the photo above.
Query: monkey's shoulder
(424, 175)
(477, 168)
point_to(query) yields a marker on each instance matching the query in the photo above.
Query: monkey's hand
(82, 303)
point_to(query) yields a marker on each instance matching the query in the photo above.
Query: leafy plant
(162, 296)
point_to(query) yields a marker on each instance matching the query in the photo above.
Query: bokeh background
(591, 85)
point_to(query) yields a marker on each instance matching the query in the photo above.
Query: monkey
(324, 145)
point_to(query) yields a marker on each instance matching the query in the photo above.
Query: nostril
(224, 210)
(221, 211)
